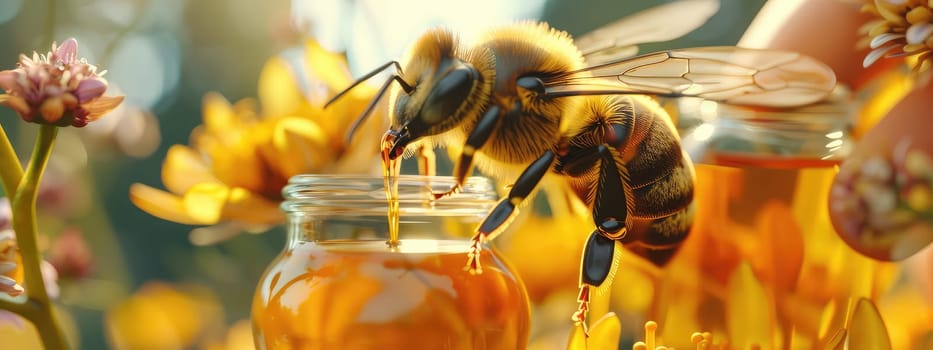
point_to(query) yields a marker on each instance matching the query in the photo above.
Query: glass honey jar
(339, 285)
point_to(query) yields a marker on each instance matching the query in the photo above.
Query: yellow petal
(182, 168)
(239, 165)
(836, 341)
(781, 246)
(545, 273)
(577, 338)
(298, 146)
(245, 110)
(219, 116)
(605, 333)
(205, 202)
(681, 308)
(17, 337)
(832, 330)
(247, 207)
(162, 204)
(903, 316)
(329, 67)
(278, 92)
(240, 336)
(287, 86)
(748, 312)
(161, 316)
(831, 321)
(866, 328)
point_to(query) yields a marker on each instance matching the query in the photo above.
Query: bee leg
(600, 256)
(477, 138)
(427, 164)
(427, 161)
(610, 209)
(500, 216)
(597, 268)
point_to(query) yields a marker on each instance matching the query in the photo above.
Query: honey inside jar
(358, 295)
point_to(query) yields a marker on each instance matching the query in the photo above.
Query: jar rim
(355, 195)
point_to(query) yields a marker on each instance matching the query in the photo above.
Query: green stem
(21, 308)
(26, 228)
(10, 169)
(24, 212)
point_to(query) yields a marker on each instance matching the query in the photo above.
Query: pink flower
(57, 88)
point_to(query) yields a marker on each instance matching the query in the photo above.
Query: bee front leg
(504, 212)
(477, 139)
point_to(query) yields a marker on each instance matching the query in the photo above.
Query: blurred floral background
(199, 72)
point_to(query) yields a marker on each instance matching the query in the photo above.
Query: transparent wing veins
(657, 24)
(733, 75)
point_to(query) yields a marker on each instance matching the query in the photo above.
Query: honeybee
(527, 99)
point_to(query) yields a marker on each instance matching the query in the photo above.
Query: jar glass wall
(338, 285)
(762, 239)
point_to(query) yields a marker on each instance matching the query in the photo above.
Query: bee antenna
(372, 104)
(366, 77)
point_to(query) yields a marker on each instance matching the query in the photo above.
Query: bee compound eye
(448, 94)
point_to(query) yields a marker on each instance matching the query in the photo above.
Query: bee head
(449, 88)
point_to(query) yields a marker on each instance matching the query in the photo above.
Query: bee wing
(732, 75)
(661, 23)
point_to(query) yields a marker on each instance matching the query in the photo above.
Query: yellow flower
(163, 316)
(232, 173)
(603, 334)
(914, 311)
(857, 326)
(903, 28)
(759, 280)
(239, 337)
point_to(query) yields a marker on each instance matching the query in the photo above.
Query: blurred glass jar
(338, 285)
(817, 135)
(762, 182)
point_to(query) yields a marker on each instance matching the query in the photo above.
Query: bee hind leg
(600, 254)
(504, 212)
(597, 269)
